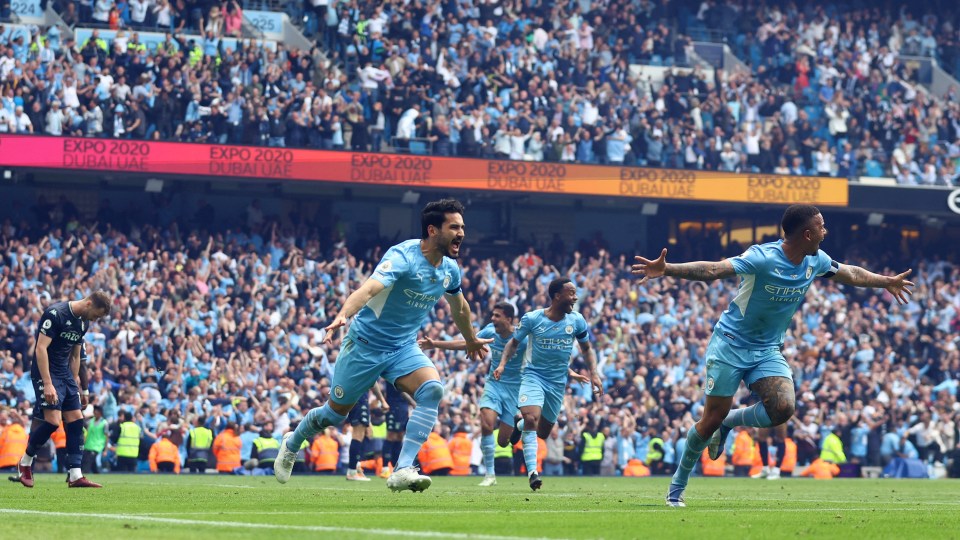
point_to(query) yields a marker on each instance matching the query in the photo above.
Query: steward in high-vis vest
(199, 444)
(461, 448)
(592, 453)
(756, 469)
(226, 448)
(134, 46)
(502, 457)
(128, 443)
(377, 438)
(59, 438)
(435, 456)
(743, 452)
(655, 453)
(832, 449)
(821, 470)
(789, 461)
(713, 467)
(13, 441)
(265, 450)
(164, 455)
(325, 452)
(635, 467)
(300, 466)
(95, 442)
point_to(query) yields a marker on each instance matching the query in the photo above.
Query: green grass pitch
(188, 507)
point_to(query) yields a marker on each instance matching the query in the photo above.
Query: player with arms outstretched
(390, 308)
(746, 341)
(552, 333)
(56, 381)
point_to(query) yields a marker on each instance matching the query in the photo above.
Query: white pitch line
(536, 511)
(268, 526)
(862, 501)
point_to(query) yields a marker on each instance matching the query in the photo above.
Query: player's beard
(453, 254)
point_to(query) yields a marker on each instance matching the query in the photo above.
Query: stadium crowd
(223, 325)
(829, 93)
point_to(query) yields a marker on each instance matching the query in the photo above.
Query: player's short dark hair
(556, 286)
(796, 217)
(435, 213)
(507, 309)
(101, 300)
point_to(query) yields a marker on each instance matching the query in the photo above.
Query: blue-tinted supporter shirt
(858, 440)
(771, 289)
(391, 319)
(511, 373)
(551, 342)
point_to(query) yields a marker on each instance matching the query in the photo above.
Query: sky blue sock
(529, 439)
(753, 416)
(486, 444)
(314, 422)
(421, 421)
(691, 454)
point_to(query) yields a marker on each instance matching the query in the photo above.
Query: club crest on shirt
(809, 271)
(710, 384)
(446, 281)
(568, 329)
(338, 391)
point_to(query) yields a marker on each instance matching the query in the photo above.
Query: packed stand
(834, 93)
(210, 18)
(225, 327)
(453, 78)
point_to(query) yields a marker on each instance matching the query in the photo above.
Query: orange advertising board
(227, 161)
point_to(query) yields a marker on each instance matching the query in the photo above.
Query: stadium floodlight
(410, 197)
(875, 219)
(154, 185)
(649, 209)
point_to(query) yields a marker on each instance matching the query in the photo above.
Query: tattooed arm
(696, 271)
(701, 271)
(897, 285)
